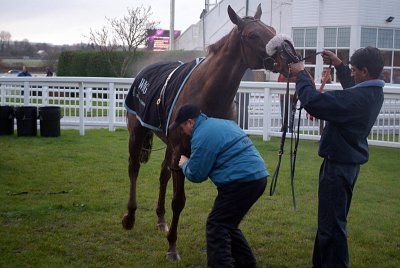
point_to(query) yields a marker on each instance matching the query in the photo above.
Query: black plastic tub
(50, 121)
(6, 120)
(26, 120)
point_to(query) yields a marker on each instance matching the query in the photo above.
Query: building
(339, 25)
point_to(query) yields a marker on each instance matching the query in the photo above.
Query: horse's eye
(253, 36)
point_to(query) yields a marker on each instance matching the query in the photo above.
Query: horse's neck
(224, 72)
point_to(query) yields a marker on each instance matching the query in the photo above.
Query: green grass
(62, 200)
(27, 62)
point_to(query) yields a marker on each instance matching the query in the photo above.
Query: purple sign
(158, 39)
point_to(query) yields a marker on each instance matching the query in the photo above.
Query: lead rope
(327, 75)
(283, 137)
(296, 138)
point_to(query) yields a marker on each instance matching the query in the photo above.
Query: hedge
(94, 63)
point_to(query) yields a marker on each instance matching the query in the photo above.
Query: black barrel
(6, 120)
(26, 120)
(50, 121)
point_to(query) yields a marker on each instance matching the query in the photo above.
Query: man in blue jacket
(349, 115)
(222, 151)
(24, 72)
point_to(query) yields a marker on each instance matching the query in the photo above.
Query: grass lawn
(62, 200)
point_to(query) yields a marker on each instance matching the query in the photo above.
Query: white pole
(171, 27)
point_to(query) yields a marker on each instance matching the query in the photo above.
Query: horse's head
(281, 53)
(260, 46)
(254, 35)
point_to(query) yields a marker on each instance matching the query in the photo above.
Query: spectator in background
(24, 72)
(49, 72)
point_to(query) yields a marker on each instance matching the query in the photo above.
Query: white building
(339, 25)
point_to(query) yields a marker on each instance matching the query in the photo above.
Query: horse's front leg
(165, 175)
(178, 203)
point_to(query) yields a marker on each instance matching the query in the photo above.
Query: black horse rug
(155, 90)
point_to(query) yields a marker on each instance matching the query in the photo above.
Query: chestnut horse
(212, 86)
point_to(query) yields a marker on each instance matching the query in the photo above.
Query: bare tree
(5, 38)
(125, 34)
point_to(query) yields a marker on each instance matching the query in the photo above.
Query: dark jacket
(24, 73)
(350, 114)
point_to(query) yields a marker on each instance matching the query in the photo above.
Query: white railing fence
(99, 102)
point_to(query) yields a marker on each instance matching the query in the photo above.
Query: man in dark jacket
(222, 151)
(349, 115)
(24, 72)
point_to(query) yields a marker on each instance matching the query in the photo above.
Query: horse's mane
(214, 48)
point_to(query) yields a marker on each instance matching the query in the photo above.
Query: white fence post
(267, 115)
(26, 93)
(111, 108)
(45, 95)
(3, 94)
(81, 110)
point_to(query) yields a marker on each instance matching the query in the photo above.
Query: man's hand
(182, 160)
(329, 57)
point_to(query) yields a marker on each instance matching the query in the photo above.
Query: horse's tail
(146, 147)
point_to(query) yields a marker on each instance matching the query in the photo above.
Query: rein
(288, 52)
(293, 152)
(295, 137)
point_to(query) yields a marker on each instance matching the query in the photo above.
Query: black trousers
(335, 191)
(226, 245)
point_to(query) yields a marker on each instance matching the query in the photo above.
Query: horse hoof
(163, 227)
(173, 256)
(128, 222)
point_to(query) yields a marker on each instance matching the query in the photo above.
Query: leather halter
(242, 40)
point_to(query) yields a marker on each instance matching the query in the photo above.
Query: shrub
(95, 64)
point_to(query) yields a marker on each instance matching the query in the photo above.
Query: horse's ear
(257, 16)
(235, 18)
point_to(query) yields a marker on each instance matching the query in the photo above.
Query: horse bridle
(287, 51)
(242, 41)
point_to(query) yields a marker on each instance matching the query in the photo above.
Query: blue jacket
(349, 114)
(222, 151)
(26, 73)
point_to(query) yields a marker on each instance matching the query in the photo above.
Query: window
(388, 41)
(385, 38)
(330, 37)
(343, 37)
(305, 41)
(397, 39)
(368, 37)
(337, 39)
(298, 37)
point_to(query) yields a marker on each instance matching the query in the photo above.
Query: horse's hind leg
(137, 134)
(165, 175)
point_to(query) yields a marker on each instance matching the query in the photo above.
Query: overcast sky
(69, 21)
